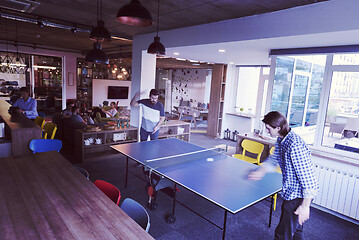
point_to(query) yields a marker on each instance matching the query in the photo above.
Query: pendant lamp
(100, 33)
(156, 46)
(134, 14)
(96, 55)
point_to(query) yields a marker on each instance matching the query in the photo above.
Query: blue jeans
(289, 227)
(144, 135)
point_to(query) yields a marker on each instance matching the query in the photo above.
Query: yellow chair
(40, 121)
(252, 147)
(49, 130)
(271, 151)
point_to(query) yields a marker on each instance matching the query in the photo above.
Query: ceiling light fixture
(6, 61)
(96, 55)
(100, 33)
(156, 47)
(18, 65)
(134, 14)
(221, 50)
(176, 53)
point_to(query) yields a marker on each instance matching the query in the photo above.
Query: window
(298, 85)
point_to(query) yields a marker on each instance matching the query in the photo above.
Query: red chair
(110, 190)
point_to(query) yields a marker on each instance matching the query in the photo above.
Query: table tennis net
(206, 154)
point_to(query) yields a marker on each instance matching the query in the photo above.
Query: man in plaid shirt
(299, 183)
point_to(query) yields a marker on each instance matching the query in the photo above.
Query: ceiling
(83, 15)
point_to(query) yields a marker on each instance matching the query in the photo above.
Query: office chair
(137, 213)
(109, 190)
(49, 130)
(45, 145)
(40, 121)
(83, 172)
(252, 147)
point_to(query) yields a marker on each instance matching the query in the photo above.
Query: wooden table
(44, 197)
(268, 143)
(19, 129)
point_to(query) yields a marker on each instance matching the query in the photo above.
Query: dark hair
(74, 108)
(25, 89)
(276, 119)
(69, 103)
(154, 92)
(113, 103)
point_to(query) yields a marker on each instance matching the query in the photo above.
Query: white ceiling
(256, 52)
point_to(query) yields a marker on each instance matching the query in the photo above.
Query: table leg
(171, 218)
(126, 172)
(271, 210)
(224, 225)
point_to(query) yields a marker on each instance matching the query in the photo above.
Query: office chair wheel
(171, 219)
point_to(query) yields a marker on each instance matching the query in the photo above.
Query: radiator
(339, 190)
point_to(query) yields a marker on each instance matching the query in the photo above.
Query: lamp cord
(101, 10)
(97, 11)
(158, 15)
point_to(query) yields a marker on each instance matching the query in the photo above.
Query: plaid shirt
(293, 157)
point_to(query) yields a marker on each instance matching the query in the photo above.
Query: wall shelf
(87, 152)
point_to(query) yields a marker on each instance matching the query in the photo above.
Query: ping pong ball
(210, 159)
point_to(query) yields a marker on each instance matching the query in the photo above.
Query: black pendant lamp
(100, 33)
(156, 46)
(134, 14)
(96, 55)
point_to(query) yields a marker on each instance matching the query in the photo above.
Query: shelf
(99, 154)
(110, 143)
(172, 135)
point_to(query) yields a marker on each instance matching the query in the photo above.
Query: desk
(350, 144)
(268, 143)
(201, 171)
(44, 197)
(193, 113)
(19, 129)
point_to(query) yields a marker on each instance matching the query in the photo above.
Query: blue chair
(41, 114)
(45, 145)
(84, 172)
(136, 212)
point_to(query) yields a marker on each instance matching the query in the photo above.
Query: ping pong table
(211, 174)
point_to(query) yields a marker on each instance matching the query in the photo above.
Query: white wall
(100, 90)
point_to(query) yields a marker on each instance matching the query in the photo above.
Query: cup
(98, 141)
(90, 140)
(87, 142)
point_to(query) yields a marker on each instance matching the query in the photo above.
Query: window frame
(329, 69)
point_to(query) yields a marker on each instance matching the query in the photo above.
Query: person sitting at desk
(68, 110)
(77, 118)
(112, 111)
(26, 104)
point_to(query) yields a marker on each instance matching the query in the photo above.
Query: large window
(323, 110)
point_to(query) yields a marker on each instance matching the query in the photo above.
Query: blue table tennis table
(211, 174)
